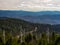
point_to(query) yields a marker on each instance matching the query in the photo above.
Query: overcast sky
(30, 5)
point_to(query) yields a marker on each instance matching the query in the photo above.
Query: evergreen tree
(57, 42)
(23, 43)
(43, 39)
(1, 42)
(53, 37)
(9, 42)
(28, 38)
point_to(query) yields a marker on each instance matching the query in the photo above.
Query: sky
(30, 5)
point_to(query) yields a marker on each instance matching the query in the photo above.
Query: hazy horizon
(49, 17)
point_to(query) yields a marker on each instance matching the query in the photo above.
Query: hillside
(14, 25)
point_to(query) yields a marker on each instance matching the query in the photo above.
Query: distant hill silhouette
(46, 17)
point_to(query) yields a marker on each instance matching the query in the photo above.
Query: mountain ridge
(28, 13)
(48, 17)
(12, 23)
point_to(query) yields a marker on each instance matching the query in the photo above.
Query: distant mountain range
(46, 17)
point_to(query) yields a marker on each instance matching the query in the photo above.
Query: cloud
(30, 5)
(8, 4)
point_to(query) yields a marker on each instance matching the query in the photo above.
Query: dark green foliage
(40, 42)
(9, 42)
(1, 41)
(57, 42)
(23, 43)
(34, 37)
(53, 36)
(19, 41)
(28, 38)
